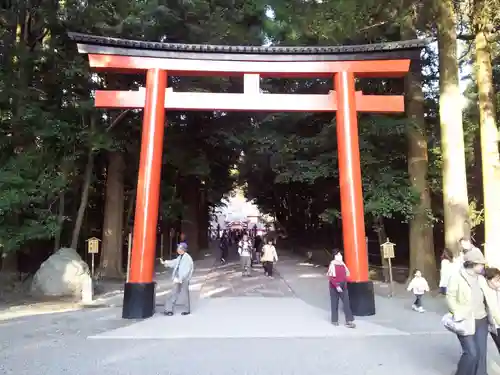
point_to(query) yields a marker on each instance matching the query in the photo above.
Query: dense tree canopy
(68, 170)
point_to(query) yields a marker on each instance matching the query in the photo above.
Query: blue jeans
(474, 351)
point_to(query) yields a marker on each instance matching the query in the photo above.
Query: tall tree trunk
(8, 263)
(65, 169)
(456, 205)
(203, 220)
(60, 221)
(130, 209)
(190, 217)
(489, 149)
(422, 255)
(112, 242)
(382, 237)
(87, 180)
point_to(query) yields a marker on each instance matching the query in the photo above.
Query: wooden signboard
(388, 249)
(93, 245)
(388, 254)
(93, 249)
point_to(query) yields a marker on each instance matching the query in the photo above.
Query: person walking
(223, 247)
(245, 252)
(447, 267)
(183, 267)
(418, 286)
(269, 257)
(337, 277)
(492, 276)
(469, 302)
(465, 245)
(257, 244)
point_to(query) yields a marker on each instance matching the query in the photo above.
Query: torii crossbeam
(156, 60)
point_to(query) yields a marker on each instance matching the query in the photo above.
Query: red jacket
(340, 276)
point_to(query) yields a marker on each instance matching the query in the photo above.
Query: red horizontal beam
(180, 67)
(250, 102)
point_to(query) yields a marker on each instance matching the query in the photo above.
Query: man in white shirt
(183, 267)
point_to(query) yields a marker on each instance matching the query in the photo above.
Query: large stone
(63, 274)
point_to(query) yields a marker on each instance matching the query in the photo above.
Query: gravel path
(250, 326)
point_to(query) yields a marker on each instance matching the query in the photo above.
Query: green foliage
(476, 215)
(29, 184)
(287, 163)
(49, 125)
(293, 158)
(389, 196)
(386, 187)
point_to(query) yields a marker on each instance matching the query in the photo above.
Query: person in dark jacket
(337, 277)
(257, 245)
(224, 246)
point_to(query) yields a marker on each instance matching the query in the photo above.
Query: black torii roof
(407, 49)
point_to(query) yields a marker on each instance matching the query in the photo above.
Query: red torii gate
(344, 63)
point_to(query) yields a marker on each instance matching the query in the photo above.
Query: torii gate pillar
(139, 293)
(360, 287)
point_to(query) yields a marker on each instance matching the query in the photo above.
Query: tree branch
(495, 33)
(466, 37)
(375, 25)
(466, 53)
(120, 117)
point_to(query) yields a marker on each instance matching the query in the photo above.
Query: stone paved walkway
(309, 284)
(268, 306)
(227, 281)
(239, 326)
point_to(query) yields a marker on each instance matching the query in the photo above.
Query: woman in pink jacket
(337, 277)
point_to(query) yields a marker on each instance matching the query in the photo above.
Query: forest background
(68, 171)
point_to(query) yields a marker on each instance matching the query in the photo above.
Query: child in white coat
(269, 257)
(418, 286)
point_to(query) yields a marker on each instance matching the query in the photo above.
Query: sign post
(88, 288)
(93, 249)
(388, 251)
